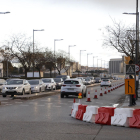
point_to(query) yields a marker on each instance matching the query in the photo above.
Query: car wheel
(52, 88)
(62, 95)
(30, 91)
(23, 92)
(85, 93)
(4, 95)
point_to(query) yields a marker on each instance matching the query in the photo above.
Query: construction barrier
(75, 109)
(89, 115)
(73, 105)
(80, 112)
(121, 116)
(135, 120)
(104, 115)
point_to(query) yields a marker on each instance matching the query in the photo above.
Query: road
(48, 118)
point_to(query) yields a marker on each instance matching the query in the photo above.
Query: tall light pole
(54, 51)
(33, 47)
(87, 60)
(69, 53)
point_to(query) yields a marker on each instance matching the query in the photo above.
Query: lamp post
(33, 47)
(87, 60)
(54, 51)
(69, 53)
(136, 49)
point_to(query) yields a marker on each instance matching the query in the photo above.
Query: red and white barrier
(73, 105)
(75, 109)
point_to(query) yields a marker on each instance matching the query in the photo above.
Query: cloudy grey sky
(78, 22)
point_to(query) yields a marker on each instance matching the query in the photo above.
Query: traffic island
(35, 95)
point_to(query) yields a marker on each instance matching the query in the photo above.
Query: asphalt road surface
(48, 118)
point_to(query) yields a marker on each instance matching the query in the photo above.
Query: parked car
(59, 82)
(64, 77)
(16, 87)
(2, 82)
(92, 79)
(88, 81)
(105, 82)
(37, 85)
(73, 87)
(49, 83)
(82, 79)
(97, 80)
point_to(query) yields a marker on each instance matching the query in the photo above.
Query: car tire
(51, 88)
(30, 91)
(54, 88)
(23, 92)
(4, 95)
(85, 93)
(62, 95)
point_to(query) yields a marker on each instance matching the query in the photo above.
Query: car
(92, 79)
(37, 85)
(2, 82)
(16, 87)
(97, 80)
(64, 77)
(88, 81)
(81, 79)
(73, 87)
(59, 82)
(105, 82)
(49, 83)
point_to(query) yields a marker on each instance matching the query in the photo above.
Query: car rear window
(105, 80)
(71, 82)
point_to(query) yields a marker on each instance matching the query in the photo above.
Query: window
(71, 82)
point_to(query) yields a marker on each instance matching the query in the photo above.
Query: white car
(88, 81)
(50, 83)
(16, 87)
(105, 82)
(37, 85)
(73, 87)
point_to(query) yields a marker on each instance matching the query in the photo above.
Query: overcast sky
(78, 22)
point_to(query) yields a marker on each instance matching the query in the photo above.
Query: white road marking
(24, 105)
(8, 104)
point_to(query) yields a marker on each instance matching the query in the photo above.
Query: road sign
(137, 68)
(130, 86)
(130, 69)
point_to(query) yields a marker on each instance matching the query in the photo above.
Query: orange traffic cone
(105, 91)
(108, 89)
(101, 94)
(95, 96)
(88, 99)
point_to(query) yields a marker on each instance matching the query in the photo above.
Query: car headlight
(36, 87)
(19, 87)
(4, 88)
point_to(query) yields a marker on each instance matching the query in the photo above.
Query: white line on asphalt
(8, 104)
(24, 105)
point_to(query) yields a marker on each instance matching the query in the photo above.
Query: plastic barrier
(73, 105)
(89, 115)
(121, 116)
(75, 109)
(80, 112)
(104, 115)
(135, 120)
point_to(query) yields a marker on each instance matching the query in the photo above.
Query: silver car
(37, 85)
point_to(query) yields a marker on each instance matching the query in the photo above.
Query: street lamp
(80, 55)
(54, 51)
(33, 47)
(87, 60)
(4, 12)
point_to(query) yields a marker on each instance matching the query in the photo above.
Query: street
(49, 118)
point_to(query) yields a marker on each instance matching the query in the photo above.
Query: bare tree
(121, 38)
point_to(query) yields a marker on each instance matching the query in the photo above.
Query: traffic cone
(101, 94)
(72, 106)
(88, 99)
(95, 96)
(108, 89)
(111, 88)
(105, 91)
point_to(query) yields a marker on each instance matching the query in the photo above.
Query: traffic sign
(130, 86)
(130, 69)
(137, 68)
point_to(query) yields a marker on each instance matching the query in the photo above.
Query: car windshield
(15, 82)
(46, 80)
(97, 78)
(71, 82)
(87, 79)
(35, 82)
(57, 80)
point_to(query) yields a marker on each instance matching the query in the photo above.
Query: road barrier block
(104, 115)
(121, 116)
(135, 120)
(75, 109)
(89, 115)
(80, 112)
